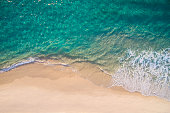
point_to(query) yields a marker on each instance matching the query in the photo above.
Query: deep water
(130, 39)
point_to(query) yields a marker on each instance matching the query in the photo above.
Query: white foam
(146, 72)
(29, 60)
(32, 60)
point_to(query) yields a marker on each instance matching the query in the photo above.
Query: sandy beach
(39, 88)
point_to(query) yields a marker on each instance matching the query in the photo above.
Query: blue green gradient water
(129, 39)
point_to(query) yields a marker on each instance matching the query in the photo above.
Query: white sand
(36, 88)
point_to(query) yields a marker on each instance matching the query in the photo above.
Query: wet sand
(39, 88)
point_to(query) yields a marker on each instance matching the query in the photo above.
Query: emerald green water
(129, 39)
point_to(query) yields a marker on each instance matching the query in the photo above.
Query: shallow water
(129, 39)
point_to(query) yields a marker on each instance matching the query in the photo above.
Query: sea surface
(129, 39)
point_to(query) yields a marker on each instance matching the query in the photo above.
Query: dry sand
(39, 88)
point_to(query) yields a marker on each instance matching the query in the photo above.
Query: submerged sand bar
(39, 88)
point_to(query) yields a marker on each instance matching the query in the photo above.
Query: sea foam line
(32, 60)
(28, 61)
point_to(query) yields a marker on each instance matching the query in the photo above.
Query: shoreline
(41, 88)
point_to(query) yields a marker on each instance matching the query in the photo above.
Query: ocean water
(129, 39)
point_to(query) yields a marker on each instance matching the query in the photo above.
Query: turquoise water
(129, 39)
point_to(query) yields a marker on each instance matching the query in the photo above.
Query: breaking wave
(146, 72)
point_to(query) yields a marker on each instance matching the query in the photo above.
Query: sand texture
(39, 88)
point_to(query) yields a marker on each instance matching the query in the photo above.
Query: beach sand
(39, 88)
